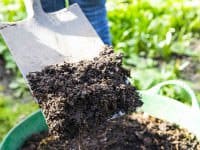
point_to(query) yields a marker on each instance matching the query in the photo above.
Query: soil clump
(77, 97)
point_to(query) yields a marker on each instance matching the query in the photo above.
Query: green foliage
(12, 10)
(176, 93)
(153, 35)
(154, 29)
(19, 86)
(12, 112)
(7, 57)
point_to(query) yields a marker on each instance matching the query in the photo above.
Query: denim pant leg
(96, 13)
(52, 5)
(94, 10)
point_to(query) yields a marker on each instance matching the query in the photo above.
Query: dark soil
(34, 141)
(80, 102)
(81, 96)
(139, 131)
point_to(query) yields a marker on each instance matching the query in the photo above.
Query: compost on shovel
(83, 104)
(80, 96)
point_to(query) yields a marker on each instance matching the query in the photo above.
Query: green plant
(153, 35)
(19, 86)
(12, 112)
(150, 29)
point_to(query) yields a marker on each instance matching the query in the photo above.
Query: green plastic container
(154, 104)
(171, 110)
(15, 138)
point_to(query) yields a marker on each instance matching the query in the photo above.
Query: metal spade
(50, 38)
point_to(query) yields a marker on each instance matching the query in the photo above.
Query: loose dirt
(138, 131)
(80, 96)
(80, 102)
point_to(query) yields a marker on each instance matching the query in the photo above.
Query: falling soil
(138, 131)
(76, 97)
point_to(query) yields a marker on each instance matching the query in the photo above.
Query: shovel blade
(47, 39)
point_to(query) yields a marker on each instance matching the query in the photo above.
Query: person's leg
(95, 11)
(52, 5)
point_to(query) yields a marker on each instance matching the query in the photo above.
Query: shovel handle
(33, 8)
(156, 89)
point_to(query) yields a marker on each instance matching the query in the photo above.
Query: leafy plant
(19, 86)
(12, 112)
(150, 29)
(153, 35)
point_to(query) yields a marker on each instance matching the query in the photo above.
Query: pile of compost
(84, 105)
(76, 97)
(138, 131)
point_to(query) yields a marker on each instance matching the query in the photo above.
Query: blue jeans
(94, 10)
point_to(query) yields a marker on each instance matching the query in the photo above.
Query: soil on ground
(138, 131)
(77, 97)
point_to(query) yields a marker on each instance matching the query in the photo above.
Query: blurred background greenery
(160, 40)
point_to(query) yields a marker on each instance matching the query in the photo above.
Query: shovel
(44, 39)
